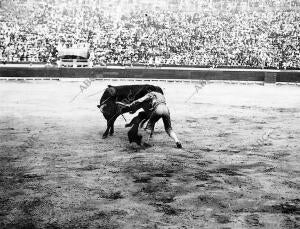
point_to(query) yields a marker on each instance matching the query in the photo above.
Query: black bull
(126, 94)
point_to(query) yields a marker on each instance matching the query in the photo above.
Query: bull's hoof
(111, 134)
(178, 144)
(104, 136)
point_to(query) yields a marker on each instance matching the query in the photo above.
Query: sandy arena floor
(239, 168)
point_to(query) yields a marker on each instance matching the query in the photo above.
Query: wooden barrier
(175, 73)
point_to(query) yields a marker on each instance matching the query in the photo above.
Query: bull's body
(125, 94)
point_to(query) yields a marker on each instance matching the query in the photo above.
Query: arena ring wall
(176, 73)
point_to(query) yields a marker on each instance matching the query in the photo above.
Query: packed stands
(213, 33)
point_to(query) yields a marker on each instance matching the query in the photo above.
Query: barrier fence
(267, 76)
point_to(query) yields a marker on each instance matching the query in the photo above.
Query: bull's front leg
(106, 131)
(112, 128)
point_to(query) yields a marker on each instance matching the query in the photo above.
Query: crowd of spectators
(265, 38)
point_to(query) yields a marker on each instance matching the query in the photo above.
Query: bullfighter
(154, 104)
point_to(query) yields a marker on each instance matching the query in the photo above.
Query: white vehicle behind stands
(74, 57)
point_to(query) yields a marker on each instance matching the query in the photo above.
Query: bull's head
(111, 90)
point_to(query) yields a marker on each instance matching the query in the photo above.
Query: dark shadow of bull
(126, 94)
